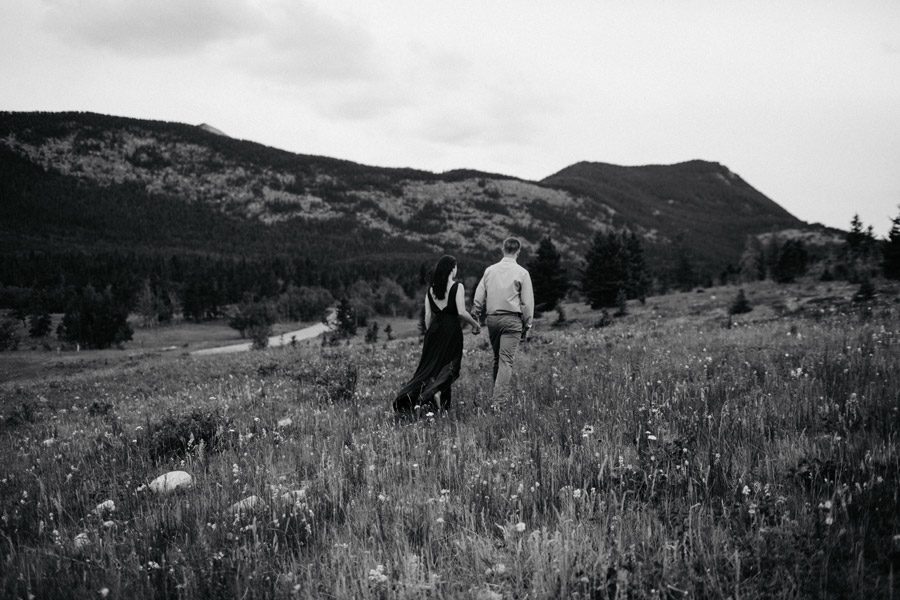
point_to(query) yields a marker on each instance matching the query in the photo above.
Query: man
(506, 297)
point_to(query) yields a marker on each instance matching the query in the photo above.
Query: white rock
(81, 541)
(171, 481)
(246, 505)
(107, 506)
(285, 422)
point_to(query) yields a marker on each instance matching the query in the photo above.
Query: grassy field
(673, 454)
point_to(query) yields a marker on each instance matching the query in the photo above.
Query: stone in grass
(248, 504)
(285, 422)
(107, 506)
(171, 481)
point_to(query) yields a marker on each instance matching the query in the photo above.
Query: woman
(438, 368)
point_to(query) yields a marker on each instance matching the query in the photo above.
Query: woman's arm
(464, 315)
(427, 311)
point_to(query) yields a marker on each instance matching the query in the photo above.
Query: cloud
(282, 41)
(300, 44)
(160, 27)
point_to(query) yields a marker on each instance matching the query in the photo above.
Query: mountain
(85, 181)
(705, 202)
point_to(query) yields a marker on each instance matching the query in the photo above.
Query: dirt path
(274, 341)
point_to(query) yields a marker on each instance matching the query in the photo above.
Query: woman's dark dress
(441, 358)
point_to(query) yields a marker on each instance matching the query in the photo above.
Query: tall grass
(652, 458)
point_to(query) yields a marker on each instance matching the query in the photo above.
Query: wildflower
(577, 493)
(377, 575)
(104, 592)
(520, 526)
(587, 431)
(746, 490)
(439, 520)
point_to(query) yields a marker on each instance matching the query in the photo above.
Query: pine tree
(685, 274)
(637, 279)
(39, 324)
(890, 251)
(792, 260)
(95, 319)
(855, 239)
(752, 265)
(740, 305)
(605, 272)
(346, 319)
(547, 276)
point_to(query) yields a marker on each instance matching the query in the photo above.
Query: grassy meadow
(676, 453)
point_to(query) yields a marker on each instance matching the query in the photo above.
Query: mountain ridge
(466, 211)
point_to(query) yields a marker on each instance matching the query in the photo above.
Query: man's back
(505, 288)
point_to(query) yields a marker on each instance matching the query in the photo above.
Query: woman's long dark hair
(441, 274)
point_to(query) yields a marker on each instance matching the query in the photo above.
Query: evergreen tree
(637, 278)
(855, 239)
(372, 332)
(95, 319)
(740, 305)
(752, 264)
(685, 274)
(547, 276)
(605, 272)
(890, 251)
(39, 324)
(346, 320)
(792, 260)
(621, 303)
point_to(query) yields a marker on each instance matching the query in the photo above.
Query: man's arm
(480, 298)
(527, 296)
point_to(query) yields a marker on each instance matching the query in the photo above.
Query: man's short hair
(511, 245)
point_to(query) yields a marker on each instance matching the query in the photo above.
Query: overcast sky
(801, 98)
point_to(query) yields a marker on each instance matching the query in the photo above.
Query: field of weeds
(668, 455)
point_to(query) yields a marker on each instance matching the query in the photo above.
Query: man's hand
(476, 330)
(525, 330)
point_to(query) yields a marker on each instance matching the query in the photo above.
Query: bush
(337, 382)
(740, 305)
(175, 435)
(254, 319)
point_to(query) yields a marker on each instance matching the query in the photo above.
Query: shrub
(337, 382)
(175, 434)
(254, 319)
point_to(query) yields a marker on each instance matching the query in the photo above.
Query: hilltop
(193, 187)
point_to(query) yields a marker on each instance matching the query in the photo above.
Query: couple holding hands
(505, 298)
